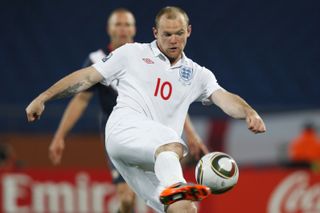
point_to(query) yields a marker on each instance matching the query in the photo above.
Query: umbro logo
(148, 60)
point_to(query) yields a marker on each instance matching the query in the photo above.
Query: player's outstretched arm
(75, 82)
(236, 107)
(71, 115)
(195, 143)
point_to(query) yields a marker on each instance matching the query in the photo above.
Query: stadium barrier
(270, 190)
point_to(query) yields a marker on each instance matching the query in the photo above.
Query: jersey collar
(157, 52)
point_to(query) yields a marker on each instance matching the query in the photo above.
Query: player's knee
(182, 206)
(174, 147)
(193, 208)
(189, 207)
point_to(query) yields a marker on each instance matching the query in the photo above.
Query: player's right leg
(169, 172)
(184, 191)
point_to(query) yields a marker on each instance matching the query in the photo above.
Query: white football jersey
(151, 86)
(96, 57)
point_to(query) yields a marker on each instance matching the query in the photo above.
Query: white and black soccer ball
(218, 171)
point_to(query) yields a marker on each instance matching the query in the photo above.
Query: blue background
(266, 51)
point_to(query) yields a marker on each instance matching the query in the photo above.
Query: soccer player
(157, 84)
(121, 30)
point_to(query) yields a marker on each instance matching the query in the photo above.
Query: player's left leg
(144, 183)
(126, 197)
(124, 193)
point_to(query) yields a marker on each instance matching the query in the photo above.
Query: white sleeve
(209, 84)
(112, 66)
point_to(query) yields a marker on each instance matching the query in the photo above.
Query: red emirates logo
(148, 60)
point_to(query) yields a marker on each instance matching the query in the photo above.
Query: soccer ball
(218, 171)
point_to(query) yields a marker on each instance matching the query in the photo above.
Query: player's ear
(189, 29)
(108, 30)
(134, 31)
(155, 32)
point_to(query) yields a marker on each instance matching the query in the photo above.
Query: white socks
(168, 168)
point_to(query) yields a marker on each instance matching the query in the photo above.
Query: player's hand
(196, 146)
(56, 150)
(34, 110)
(255, 123)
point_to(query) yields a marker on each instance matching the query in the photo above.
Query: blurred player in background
(121, 30)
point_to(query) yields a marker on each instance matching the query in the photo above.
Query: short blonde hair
(171, 12)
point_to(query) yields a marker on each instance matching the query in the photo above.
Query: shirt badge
(186, 75)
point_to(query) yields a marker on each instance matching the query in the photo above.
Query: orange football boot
(184, 191)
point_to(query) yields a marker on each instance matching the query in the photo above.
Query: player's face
(121, 28)
(171, 35)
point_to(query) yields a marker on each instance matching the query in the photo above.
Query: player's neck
(112, 46)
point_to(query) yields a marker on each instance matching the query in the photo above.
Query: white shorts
(131, 145)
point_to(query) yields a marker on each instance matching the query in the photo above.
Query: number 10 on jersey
(165, 89)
